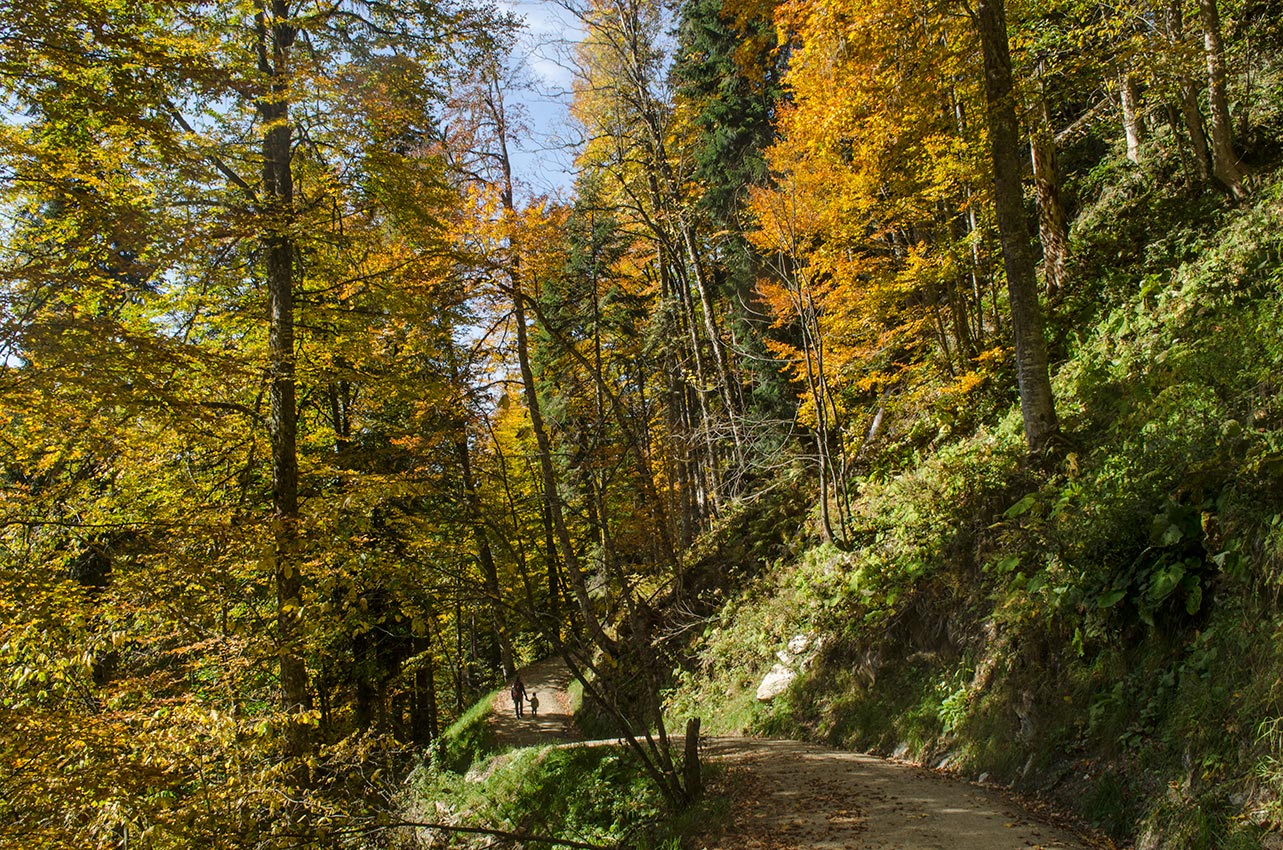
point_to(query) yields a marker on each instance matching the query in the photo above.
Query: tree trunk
(1224, 161)
(693, 776)
(726, 380)
(681, 480)
(424, 724)
(1036, 403)
(552, 498)
(274, 39)
(674, 280)
(1187, 94)
(825, 436)
(552, 570)
(1193, 119)
(485, 557)
(555, 517)
(1133, 124)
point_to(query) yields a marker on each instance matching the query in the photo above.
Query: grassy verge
(468, 739)
(594, 795)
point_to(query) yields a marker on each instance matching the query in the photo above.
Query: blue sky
(543, 163)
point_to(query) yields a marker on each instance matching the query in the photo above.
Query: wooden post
(691, 773)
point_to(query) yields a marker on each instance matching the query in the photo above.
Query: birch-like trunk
(1225, 165)
(1133, 123)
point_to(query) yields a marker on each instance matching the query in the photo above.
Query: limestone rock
(775, 683)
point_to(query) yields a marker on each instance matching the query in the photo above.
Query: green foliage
(596, 794)
(728, 77)
(468, 739)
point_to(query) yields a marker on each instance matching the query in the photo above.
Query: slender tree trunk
(460, 662)
(552, 497)
(552, 569)
(942, 330)
(339, 395)
(1197, 129)
(1036, 403)
(675, 281)
(1224, 161)
(725, 378)
(1187, 98)
(677, 457)
(959, 295)
(711, 468)
(424, 726)
(1133, 123)
(554, 514)
(827, 430)
(485, 557)
(274, 38)
(979, 271)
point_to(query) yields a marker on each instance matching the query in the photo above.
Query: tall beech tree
(275, 34)
(1037, 405)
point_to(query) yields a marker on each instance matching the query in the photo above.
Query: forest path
(787, 795)
(553, 723)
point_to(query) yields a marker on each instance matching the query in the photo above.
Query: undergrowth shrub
(598, 795)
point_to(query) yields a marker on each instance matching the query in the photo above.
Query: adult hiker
(518, 693)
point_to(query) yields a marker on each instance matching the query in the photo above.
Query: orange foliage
(879, 175)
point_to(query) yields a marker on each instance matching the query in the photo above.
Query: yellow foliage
(878, 176)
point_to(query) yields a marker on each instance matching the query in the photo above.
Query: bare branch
(214, 159)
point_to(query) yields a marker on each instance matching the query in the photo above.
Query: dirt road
(788, 795)
(794, 796)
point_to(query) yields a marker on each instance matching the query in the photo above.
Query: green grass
(468, 739)
(599, 795)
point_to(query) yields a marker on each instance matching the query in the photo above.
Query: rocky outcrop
(798, 655)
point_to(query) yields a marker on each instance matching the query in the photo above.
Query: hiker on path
(518, 696)
(534, 704)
